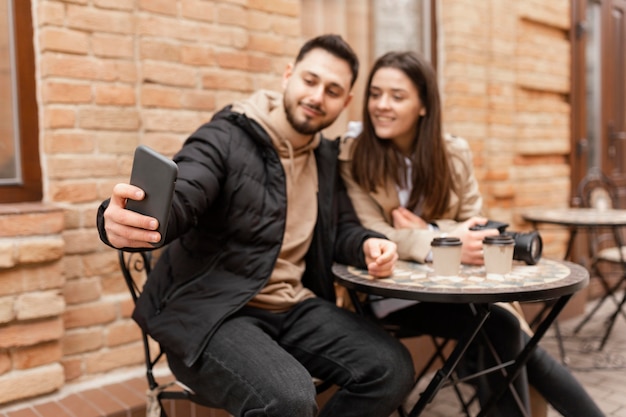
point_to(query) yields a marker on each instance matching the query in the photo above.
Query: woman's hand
(472, 250)
(405, 219)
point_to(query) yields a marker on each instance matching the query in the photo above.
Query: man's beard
(305, 127)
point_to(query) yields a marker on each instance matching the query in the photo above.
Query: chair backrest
(135, 267)
(596, 190)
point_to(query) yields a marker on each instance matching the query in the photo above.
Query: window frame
(27, 111)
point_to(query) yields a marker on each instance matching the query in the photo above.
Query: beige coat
(374, 209)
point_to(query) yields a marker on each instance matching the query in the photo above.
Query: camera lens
(528, 246)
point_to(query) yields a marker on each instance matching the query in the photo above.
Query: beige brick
(122, 332)
(269, 43)
(27, 222)
(73, 368)
(159, 96)
(115, 4)
(121, 143)
(81, 240)
(87, 214)
(159, 6)
(7, 253)
(233, 60)
(61, 142)
(7, 313)
(166, 143)
(119, 70)
(91, 314)
(103, 262)
(63, 167)
(115, 95)
(227, 80)
(169, 74)
(70, 66)
(260, 63)
(199, 100)
(56, 118)
(105, 21)
(73, 191)
(72, 267)
(17, 385)
(34, 356)
(113, 358)
(49, 13)
(112, 118)
(39, 250)
(170, 121)
(231, 14)
(82, 290)
(259, 21)
(23, 279)
(286, 7)
(198, 55)
(126, 307)
(5, 362)
(160, 50)
(82, 340)
(113, 46)
(63, 40)
(39, 305)
(113, 284)
(28, 334)
(199, 10)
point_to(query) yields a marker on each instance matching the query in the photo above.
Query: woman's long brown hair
(375, 160)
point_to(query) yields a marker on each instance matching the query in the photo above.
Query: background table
(577, 219)
(592, 220)
(549, 279)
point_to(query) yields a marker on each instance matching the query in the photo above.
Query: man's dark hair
(335, 45)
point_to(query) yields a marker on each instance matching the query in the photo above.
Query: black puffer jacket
(225, 232)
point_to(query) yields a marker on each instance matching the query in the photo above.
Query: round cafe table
(595, 221)
(548, 280)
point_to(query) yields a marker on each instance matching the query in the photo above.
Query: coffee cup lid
(498, 240)
(446, 241)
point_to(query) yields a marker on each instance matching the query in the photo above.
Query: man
(242, 299)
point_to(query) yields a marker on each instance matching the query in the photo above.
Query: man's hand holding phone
(138, 212)
(126, 228)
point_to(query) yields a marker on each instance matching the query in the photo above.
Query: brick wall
(112, 74)
(504, 72)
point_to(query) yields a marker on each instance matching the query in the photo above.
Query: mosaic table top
(410, 280)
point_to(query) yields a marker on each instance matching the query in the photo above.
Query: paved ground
(602, 373)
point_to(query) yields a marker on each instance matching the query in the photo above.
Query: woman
(410, 182)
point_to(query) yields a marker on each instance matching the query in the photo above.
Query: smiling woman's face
(394, 107)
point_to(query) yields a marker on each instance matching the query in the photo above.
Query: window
(20, 171)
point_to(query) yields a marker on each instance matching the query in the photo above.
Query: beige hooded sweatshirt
(284, 288)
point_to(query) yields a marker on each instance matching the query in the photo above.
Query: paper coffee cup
(446, 255)
(498, 253)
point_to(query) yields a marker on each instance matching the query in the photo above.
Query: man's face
(316, 90)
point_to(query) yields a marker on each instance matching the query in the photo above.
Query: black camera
(528, 246)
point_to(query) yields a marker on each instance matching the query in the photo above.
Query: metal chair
(606, 248)
(135, 267)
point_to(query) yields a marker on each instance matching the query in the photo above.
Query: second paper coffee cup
(446, 255)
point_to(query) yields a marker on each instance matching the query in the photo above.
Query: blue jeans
(260, 363)
(551, 379)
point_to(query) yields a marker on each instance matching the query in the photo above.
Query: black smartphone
(156, 175)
